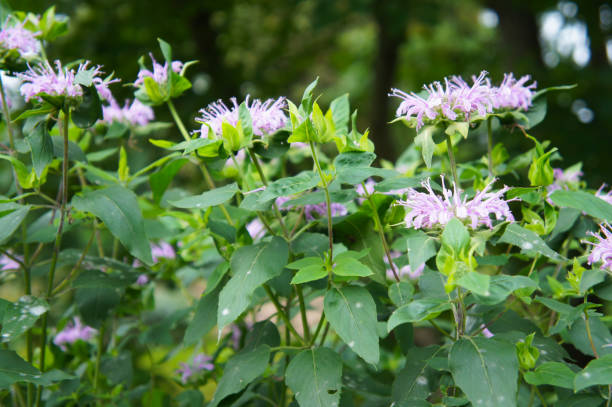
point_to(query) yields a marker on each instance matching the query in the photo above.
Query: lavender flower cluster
(602, 249)
(72, 332)
(20, 39)
(267, 117)
(44, 80)
(429, 209)
(159, 73)
(134, 114)
(314, 211)
(457, 100)
(201, 362)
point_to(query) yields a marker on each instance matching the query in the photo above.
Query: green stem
(317, 330)
(588, 331)
(381, 233)
(451, 157)
(63, 125)
(305, 326)
(265, 182)
(99, 355)
(327, 201)
(490, 146)
(178, 121)
(76, 267)
(7, 118)
(281, 313)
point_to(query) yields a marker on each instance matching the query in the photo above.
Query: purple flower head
(134, 114)
(159, 73)
(602, 249)
(142, 279)
(266, 117)
(72, 332)
(162, 251)
(200, 363)
(428, 209)
(19, 38)
(605, 196)
(314, 211)
(407, 271)
(256, 228)
(453, 100)
(369, 188)
(512, 93)
(6, 263)
(44, 80)
(485, 332)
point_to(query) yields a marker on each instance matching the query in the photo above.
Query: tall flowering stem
(490, 146)
(327, 200)
(64, 119)
(381, 232)
(451, 157)
(265, 182)
(207, 177)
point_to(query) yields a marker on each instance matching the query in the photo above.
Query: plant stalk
(490, 146)
(63, 125)
(451, 157)
(327, 200)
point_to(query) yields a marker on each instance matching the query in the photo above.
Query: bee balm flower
(72, 332)
(266, 117)
(602, 250)
(159, 73)
(19, 39)
(513, 93)
(134, 114)
(428, 209)
(44, 80)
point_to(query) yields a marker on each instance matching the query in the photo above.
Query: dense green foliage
(178, 298)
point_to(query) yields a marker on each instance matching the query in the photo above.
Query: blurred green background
(269, 48)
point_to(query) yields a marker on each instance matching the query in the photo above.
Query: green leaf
(306, 103)
(41, 146)
(25, 176)
(14, 369)
(207, 199)
(477, 283)
(412, 383)
(21, 316)
(232, 140)
(347, 266)
(418, 310)
(501, 286)
(351, 312)
(421, 247)
(205, 147)
(341, 113)
(456, 235)
(600, 333)
(309, 269)
(553, 88)
(251, 266)
(353, 159)
(597, 372)
(89, 110)
(315, 377)
(290, 185)
(161, 179)
(486, 370)
(245, 122)
(10, 221)
(74, 151)
(552, 374)
(166, 50)
(97, 293)
(528, 241)
(118, 208)
(536, 113)
(117, 130)
(424, 140)
(241, 370)
(458, 128)
(204, 320)
(400, 293)
(585, 202)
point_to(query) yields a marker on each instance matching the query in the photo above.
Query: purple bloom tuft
(200, 362)
(162, 251)
(43, 80)
(605, 196)
(512, 93)
(159, 73)
(602, 250)
(143, 279)
(72, 332)
(266, 117)
(314, 211)
(428, 209)
(256, 228)
(135, 114)
(6, 263)
(20, 39)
